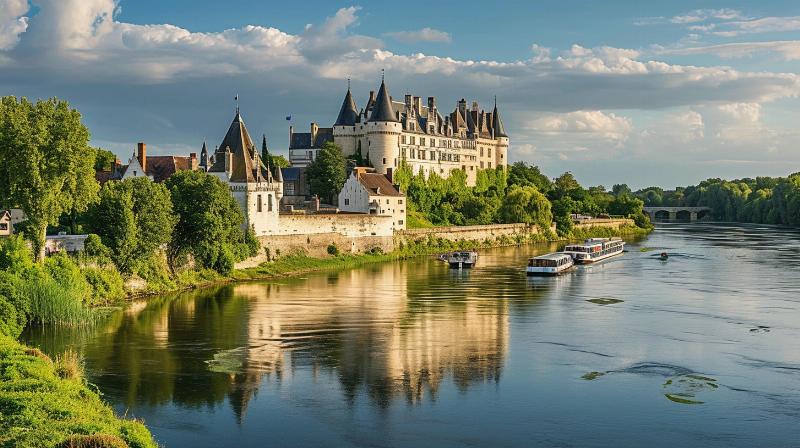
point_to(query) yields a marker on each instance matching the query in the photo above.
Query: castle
(387, 132)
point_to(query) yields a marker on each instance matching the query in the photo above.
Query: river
(700, 350)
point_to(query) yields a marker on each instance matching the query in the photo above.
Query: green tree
(328, 172)
(526, 175)
(619, 189)
(46, 164)
(564, 184)
(104, 160)
(134, 218)
(209, 226)
(527, 205)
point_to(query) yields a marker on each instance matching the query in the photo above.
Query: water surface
(700, 350)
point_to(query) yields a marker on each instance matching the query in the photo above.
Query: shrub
(333, 250)
(66, 273)
(12, 321)
(69, 365)
(105, 283)
(93, 441)
(15, 255)
(94, 248)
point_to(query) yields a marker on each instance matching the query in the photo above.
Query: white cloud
(754, 26)
(12, 22)
(424, 35)
(702, 15)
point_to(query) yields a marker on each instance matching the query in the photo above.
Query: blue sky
(648, 93)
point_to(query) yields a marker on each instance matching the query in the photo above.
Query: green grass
(51, 303)
(40, 408)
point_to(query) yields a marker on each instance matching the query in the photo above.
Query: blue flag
(288, 118)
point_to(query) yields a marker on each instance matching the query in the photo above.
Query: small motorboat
(459, 260)
(550, 264)
(664, 256)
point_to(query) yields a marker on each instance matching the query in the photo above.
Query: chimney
(389, 174)
(409, 100)
(314, 129)
(371, 96)
(141, 155)
(431, 102)
(474, 106)
(418, 104)
(193, 163)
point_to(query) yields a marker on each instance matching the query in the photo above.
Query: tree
(46, 164)
(527, 205)
(328, 172)
(209, 226)
(626, 205)
(526, 175)
(272, 160)
(564, 185)
(104, 160)
(134, 218)
(279, 161)
(619, 189)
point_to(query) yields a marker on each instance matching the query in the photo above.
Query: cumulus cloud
(173, 85)
(12, 22)
(424, 35)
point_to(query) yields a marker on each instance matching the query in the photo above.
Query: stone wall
(353, 225)
(614, 223)
(466, 233)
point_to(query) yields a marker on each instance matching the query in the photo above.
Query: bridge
(676, 213)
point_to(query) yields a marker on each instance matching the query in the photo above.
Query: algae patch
(687, 389)
(605, 301)
(227, 361)
(592, 375)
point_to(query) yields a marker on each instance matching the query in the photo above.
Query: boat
(458, 260)
(595, 249)
(664, 256)
(550, 264)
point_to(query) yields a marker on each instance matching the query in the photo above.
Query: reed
(51, 303)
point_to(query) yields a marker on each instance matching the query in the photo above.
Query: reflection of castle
(376, 344)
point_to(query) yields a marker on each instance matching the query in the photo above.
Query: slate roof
(348, 114)
(302, 140)
(383, 106)
(162, 167)
(497, 124)
(378, 184)
(238, 140)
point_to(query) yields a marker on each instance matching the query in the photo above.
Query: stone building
(6, 228)
(373, 193)
(257, 189)
(387, 132)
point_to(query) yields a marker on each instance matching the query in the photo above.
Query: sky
(643, 93)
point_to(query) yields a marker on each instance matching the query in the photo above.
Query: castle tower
(249, 179)
(382, 133)
(499, 134)
(345, 129)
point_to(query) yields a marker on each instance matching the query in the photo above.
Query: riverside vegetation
(182, 233)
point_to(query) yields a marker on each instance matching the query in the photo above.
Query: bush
(333, 250)
(12, 321)
(94, 248)
(15, 255)
(66, 273)
(105, 283)
(69, 366)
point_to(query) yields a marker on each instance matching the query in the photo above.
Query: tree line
(762, 200)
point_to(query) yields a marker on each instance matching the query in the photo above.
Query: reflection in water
(700, 350)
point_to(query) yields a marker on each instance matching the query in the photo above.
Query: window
(413, 140)
(433, 155)
(433, 142)
(481, 152)
(387, 201)
(400, 222)
(258, 204)
(490, 164)
(481, 164)
(384, 160)
(269, 202)
(422, 141)
(288, 188)
(346, 201)
(3, 226)
(399, 201)
(403, 139)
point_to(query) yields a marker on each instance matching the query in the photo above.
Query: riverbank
(48, 403)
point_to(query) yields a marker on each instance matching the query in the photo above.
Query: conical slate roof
(278, 174)
(348, 115)
(241, 145)
(383, 106)
(497, 124)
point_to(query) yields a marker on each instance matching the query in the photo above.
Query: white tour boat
(550, 264)
(458, 260)
(595, 249)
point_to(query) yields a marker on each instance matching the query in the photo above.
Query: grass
(51, 303)
(46, 403)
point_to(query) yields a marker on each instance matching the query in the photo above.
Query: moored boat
(458, 260)
(550, 264)
(595, 249)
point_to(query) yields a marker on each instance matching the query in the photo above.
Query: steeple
(205, 161)
(383, 106)
(497, 123)
(348, 114)
(237, 140)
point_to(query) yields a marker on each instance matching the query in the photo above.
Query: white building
(387, 132)
(373, 193)
(258, 192)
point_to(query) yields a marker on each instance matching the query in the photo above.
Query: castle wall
(467, 233)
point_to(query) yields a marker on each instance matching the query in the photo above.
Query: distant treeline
(763, 200)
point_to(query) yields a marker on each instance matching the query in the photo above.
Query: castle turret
(205, 158)
(383, 133)
(344, 130)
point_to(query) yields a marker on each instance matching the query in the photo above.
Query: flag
(236, 98)
(288, 118)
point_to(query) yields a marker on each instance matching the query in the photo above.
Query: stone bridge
(676, 213)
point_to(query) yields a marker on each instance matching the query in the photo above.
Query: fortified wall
(467, 233)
